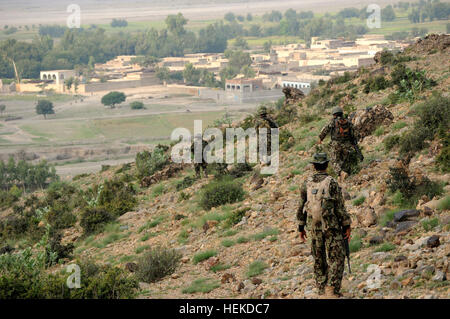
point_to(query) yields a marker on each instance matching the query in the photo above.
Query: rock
(185, 260)
(407, 281)
(256, 281)
(404, 226)
(400, 258)
(292, 95)
(366, 217)
(376, 240)
(131, 267)
(395, 285)
(407, 214)
(240, 286)
(175, 276)
(439, 276)
(227, 277)
(211, 262)
(433, 241)
(123, 227)
(366, 121)
(209, 225)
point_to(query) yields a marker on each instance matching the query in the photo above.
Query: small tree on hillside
(113, 98)
(2, 108)
(44, 107)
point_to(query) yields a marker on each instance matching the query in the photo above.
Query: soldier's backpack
(317, 194)
(341, 129)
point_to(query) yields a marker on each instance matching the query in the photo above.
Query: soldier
(322, 209)
(344, 151)
(264, 121)
(202, 166)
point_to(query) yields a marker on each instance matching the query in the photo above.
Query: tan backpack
(317, 192)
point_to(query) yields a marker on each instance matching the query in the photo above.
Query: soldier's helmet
(320, 158)
(337, 110)
(262, 111)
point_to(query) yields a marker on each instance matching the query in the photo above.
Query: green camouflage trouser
(200, 166)
(343, 156)
(329, 258)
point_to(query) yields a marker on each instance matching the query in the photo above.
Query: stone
(376, 240)
(407, 281)
(185, 260)
(439, 276)
(366, 217)
(395, 285)
(433, 241)
(131, 267)
(227, 277)
(406, 214)
(405, 226)
(400, 258)
(256, 281)
(240, 286)
(212, 261)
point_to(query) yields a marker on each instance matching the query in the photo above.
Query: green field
(146, 127)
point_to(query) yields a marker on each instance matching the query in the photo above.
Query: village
(292, 65)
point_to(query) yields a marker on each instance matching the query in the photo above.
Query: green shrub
(158, 190)
(185, 183)
(228, 243)
(398, 125)
(256, 268)
(149, 163)
(242, 240)
(219, 267)
(137, 105)
(7, 198)
(203, 285)
(93, 219)
(286, 140)
(390, 142)
(443, 159)
(375, 84)
(199, 257)
(240, 169)
(22, 277)
(116, 197)
(355, 244)
(221, 192)
(385, 247)
(430, 224)
(387, 217)
(157, 263)
(359, 201)
(235, 217)
(444, 204)
(265, 233)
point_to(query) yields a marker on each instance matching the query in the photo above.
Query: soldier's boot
(330, 293)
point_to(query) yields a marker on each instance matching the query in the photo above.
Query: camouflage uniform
(264, 121)
(343, 155)
(200, 166)
(327, 240)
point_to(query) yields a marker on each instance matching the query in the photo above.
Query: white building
(58, 76)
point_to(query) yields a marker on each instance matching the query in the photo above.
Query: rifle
(347, 254)
(358, 152)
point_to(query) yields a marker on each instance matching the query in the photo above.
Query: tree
(388, 14)
(240, 18)
(119, 23)
(113, 98)
(230, 17)
(44, 107)
(249, 17)
(267, 46)
(241, 43)
(2, 108)
(176, 23)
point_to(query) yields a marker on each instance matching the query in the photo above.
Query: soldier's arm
(301, 216)
(339, 207)
(325, 130)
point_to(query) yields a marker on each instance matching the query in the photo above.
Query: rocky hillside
(398, 198)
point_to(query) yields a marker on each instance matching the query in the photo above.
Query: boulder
(433, 241)
(366, 121)
(406, 214)
(366, 216)
(405, 226)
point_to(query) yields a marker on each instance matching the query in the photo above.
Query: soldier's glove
(347, 232)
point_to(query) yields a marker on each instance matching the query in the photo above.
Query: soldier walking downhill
(202, 166)
(322, 209)
(265, 121)
(344, 151)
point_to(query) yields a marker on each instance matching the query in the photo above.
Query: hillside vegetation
(168, 236)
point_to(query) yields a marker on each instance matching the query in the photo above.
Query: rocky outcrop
(367, 120)
(292, 95)
(166, 173)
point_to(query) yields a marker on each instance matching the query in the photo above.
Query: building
(296, 84)
(57, 76)
(243, 85)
